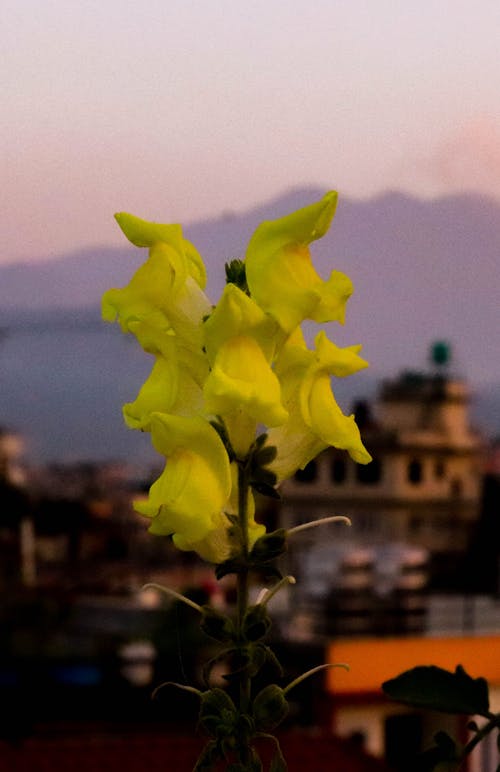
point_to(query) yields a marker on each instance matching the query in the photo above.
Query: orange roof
(374, 660)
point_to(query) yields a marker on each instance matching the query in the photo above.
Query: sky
(179, 110)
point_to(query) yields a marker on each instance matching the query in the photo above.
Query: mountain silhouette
(422, 270)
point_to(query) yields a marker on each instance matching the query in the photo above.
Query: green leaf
(438, 689)
(236, 274)
(265, 455)
(220, 428)
(266, 490)
(262, 476)
(259, 442)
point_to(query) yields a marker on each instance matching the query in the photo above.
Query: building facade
(412, 509)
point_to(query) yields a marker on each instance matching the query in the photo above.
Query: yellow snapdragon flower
(241, 366)
(220, 543)
(316, 421)
(166, 292)
(191, 492)
(241, 387)
(280, 273)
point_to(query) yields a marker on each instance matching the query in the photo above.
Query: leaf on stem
(218, 714)
(269, 547)
(438, 689)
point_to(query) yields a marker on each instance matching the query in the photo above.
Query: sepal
(218, 713)
(256, 623)
(269, 547)
(270, 707)
(217, 625)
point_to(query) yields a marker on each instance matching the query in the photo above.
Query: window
(415, 472)
(308, 474)
(369, 474)
(338, 470)
(439, 469)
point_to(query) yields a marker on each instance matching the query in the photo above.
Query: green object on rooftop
(440, 353)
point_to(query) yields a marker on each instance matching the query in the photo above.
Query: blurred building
(414, 580)
(16, 525)
(11, 455)
(422, 516)
(413, 509)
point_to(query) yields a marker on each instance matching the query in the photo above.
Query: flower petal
(216, 547)
(234, 315)
(170, 388)
(242, 379)
(196, 482)
(280, 274)
(161, 294)
(330, 425)
(221, 543)
(315, 420)
(146, 234)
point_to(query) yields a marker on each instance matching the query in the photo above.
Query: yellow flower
(244, 361)
(236, 314)
(216, 547)
(142, 233)
(242, 387)
(280, 274)
(316, 421)
(166, 291)
(170, 388)
(192, 490)
(220, 543)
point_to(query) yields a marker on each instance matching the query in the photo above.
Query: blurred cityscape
(415, 576)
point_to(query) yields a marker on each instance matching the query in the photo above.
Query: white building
(412, 508)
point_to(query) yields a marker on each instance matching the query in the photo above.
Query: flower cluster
(236, 381)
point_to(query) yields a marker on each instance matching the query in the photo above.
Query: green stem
(242, 593)
(174, 594)
(494, 723)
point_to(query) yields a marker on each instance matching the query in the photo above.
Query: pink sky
(181, 109)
